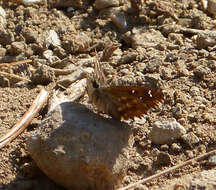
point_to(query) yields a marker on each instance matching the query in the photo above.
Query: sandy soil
(178, 63)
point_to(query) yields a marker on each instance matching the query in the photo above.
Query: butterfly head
(92, 81)
(92, 84)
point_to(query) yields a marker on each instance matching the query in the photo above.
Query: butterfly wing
(127, 102)
(121, 102)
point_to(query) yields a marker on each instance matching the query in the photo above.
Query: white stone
(166, 131)
(52, 38)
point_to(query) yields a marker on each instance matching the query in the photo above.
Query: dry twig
(3, 65)
(169, 170)
(14, 76)
(19, 127)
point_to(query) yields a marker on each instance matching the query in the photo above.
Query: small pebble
(3, 20)
(52, 38)
(163, 159)
(200, 72)
(212, 161)
(211, 7)
(17, 48)
(190, 139)
(102, 4)
(194, 91)
(166, 131)
(175, 148)
(164, 147)
(30, 2)
(120, 21)
(205, 40)
(31, 36)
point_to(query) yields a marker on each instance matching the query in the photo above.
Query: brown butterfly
(120, 102)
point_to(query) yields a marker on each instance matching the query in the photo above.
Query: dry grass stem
(14, 76)
(3, 65)
(19, 127)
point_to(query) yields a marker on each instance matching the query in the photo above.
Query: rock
(102, 4)
(212, 161)
(190, 139)
(211, 7)
(177, 111)
(166, 131)
(31, 36)
(143, 38)
(2, 12)
(192, 117)
(161, 47)
(152, 80)
(43, 75)
(175, 148)
(79, 149)
(171, 57)
(182, 121)
(3, 20)
(106, 13)
(182, 70)
(65, 3)
(52, 38)
(48, 54)
(119, 20)
(127, 58)
(163, 158)
(176, 38)
(173, 47)
(140, 121)
(206, 39)
(164, 147)
(6, 37)
(4, 82)
(204, 4)
(212, 65)
(17, 48)
(184, 22)
(30, 2)
(194, 91)
(77, 43)
(140, 67)
(200, 72)
(152, 66)
(166, 73)
(60, 52)
(2, 52)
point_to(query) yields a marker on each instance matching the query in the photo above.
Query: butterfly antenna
(99, 74)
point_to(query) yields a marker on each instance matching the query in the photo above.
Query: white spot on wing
(149, 93)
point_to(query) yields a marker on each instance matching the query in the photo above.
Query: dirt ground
(175, 60)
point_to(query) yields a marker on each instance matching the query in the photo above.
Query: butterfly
(120, 102)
